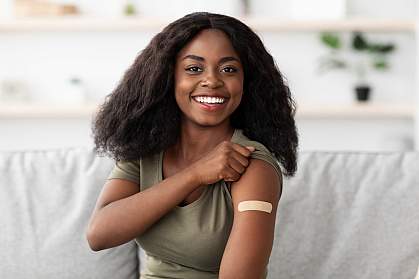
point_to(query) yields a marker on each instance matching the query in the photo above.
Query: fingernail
(251, 148)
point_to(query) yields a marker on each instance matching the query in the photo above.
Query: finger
(243, 160)
(242, 149)
(236, 165)
(231, 175)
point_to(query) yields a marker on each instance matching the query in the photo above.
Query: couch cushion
(46, 198)
(349, 215)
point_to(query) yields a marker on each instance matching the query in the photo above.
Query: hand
(226, 161)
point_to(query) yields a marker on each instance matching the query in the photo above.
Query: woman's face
(208, 79)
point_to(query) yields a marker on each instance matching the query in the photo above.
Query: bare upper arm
(250, 242)
(116, 189)
(112, 191)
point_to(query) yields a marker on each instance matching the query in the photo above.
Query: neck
(196, 141)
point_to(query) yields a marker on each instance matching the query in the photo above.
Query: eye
(194, 69)
(229, 69)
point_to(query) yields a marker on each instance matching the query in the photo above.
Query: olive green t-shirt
(189, 241)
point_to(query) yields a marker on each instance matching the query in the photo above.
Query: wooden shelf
(79, 23)
(304, 111)
(349, 24)
(355, 111)
(49, 111)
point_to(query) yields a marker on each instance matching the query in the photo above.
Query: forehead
(209, 43)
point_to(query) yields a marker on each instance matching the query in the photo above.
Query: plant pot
(362, 92)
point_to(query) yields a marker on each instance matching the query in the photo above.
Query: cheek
(182, 92)
(181, 89)
(236, 86)
(179, 78)
(183, 86)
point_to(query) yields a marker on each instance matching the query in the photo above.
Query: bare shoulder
(260, 181)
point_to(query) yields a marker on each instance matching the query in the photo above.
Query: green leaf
(381, 65)
(129, 9)
(359, 42)
(331, 40)
(381, 48)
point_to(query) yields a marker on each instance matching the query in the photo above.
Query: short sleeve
(261, 151)
(266, 156)
(129, 170)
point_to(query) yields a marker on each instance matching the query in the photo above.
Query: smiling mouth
(210, 104)
(209, 100)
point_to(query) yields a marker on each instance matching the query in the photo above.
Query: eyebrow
(222, 60)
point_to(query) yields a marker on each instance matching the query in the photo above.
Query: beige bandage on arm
(255, 205)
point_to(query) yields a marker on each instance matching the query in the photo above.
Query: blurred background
(351, 65)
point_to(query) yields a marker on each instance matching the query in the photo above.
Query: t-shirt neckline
(204, 193)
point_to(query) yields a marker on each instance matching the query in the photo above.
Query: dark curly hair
(141, 116)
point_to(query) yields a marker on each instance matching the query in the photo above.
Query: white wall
(383, 9)
(352, 135)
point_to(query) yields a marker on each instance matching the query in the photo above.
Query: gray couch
(344, 215)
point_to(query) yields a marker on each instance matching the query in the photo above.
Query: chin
(210, 123)
(207, 123)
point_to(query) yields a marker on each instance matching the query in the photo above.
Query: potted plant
(368, 55)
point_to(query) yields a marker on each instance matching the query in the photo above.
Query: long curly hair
(141, 116)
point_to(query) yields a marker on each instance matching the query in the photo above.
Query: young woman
(199, 127)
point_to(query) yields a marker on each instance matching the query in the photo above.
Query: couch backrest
(349, 215)
(46, 198)
(344, 215)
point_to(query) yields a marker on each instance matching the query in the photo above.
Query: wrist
(192, 176)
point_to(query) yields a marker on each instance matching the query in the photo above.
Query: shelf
(349, 24)
(75, 23)
(355, 111)
(46, 111)
(304, 111)
(79, 23)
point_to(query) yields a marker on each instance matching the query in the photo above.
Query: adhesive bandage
(255, 205)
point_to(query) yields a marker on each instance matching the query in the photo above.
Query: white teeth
(210, 100)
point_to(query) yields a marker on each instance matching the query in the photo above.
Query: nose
(212, 80)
